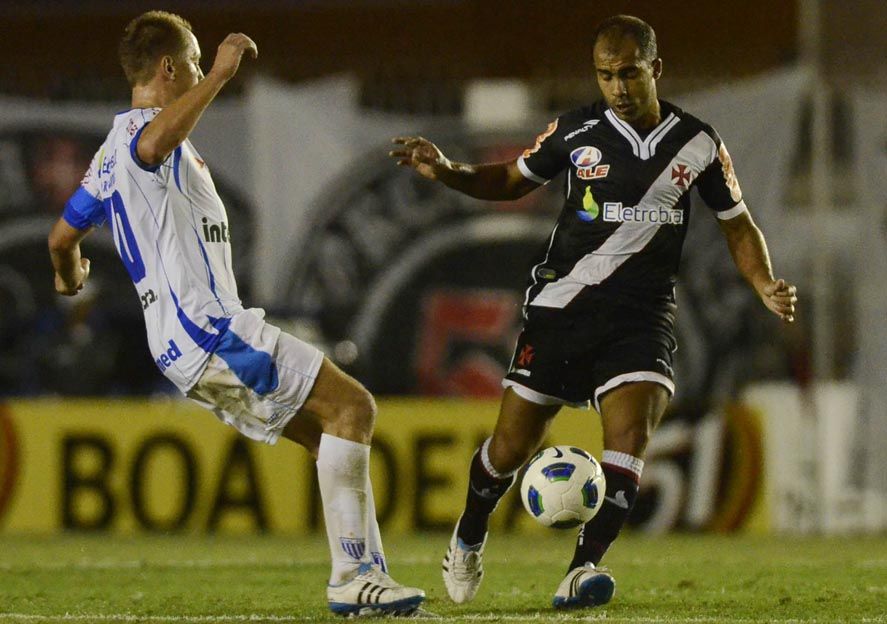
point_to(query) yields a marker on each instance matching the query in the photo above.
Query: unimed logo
(8, 459)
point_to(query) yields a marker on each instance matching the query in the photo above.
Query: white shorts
(258, 378)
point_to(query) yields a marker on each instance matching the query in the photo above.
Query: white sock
(343, 475)
(374, 536)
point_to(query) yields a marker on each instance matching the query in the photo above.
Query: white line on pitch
(104, 564)
(484, 617)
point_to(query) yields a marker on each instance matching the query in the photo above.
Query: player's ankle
(472, 528)
(343, 572)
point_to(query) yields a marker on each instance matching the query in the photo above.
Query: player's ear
(168, 67)
(657, 68)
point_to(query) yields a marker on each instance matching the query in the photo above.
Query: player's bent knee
(345, 408)
(354, 415)
(363, 410)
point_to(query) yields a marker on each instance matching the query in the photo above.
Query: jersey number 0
(124, 237)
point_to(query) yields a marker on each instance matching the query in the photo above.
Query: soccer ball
(563, 487)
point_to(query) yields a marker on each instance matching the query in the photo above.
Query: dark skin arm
(490, 181)
(749, 251)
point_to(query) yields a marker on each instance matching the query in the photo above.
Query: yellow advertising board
(169, 465)
(124, 466)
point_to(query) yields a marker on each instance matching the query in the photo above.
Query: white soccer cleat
(585, 586)
(373, 593)
(463, 568)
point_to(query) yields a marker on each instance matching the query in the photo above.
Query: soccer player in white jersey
(600, 309)
(170, 228)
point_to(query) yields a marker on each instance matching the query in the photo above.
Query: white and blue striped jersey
(171, 232)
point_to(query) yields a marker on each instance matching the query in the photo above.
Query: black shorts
(571, 358)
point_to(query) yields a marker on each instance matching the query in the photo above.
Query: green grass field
(690, 579)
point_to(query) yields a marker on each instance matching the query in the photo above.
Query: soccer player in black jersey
(599, 311)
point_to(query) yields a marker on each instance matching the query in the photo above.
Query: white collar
(642, 148)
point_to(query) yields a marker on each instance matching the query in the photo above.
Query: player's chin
(626, 111)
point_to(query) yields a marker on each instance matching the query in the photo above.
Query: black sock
(485, 488)
(598, 533)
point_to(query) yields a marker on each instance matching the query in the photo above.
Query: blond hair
(147, 39)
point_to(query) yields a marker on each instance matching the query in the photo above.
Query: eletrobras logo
(615, 211)
(8, 459)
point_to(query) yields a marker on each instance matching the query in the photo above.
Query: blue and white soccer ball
(563, 487)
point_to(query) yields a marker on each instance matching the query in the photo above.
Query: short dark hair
(619, 26)
(146, 39)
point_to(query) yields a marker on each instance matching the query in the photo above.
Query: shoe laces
(372, 574)
(590, 568)
(465, 562)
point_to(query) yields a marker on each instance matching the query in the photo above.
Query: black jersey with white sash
(627, 204)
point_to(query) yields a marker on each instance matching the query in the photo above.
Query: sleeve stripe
(735, 211)
(82, 210)
(135, 154)
(529, 174)
(75, 221)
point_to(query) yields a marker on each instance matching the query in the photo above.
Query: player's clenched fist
(74, 283)
(420, 154)
(230, 52)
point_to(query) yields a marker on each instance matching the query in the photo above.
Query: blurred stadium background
(415, 289)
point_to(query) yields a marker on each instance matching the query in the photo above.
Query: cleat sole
(403, 607)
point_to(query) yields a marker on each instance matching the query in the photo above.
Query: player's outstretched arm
(749, 251)
(175, 122)
(71, 270)
(492, 181)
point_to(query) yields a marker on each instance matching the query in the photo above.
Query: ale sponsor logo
(586, 159)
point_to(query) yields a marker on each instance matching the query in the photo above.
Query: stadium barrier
(125, 466)
(168, 465)
(816, 451)
(780, 460)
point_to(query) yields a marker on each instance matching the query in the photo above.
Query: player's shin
(486, 486)
(343, 475)
(623, 474)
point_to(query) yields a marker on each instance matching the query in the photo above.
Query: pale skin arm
(71, 270)
(175, 122)
(749, 251)
(491, 181)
